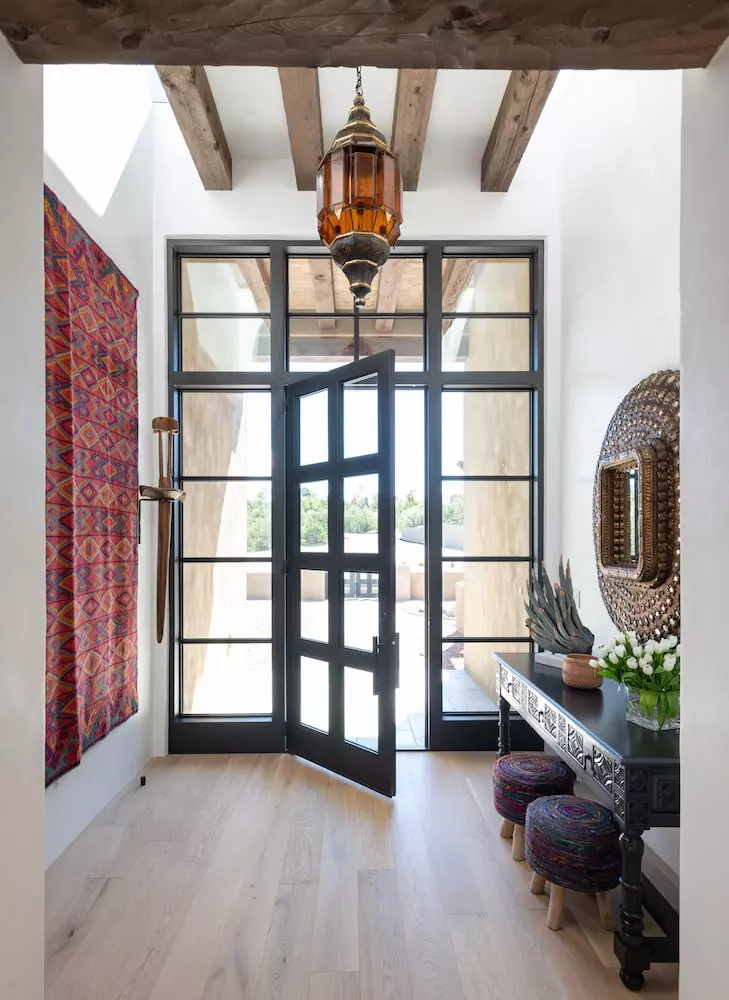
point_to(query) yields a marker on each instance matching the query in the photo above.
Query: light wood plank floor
(262, 878)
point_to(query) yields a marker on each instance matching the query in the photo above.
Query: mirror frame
(612, 521)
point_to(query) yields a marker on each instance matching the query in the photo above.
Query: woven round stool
(573, 843)
(519, 779)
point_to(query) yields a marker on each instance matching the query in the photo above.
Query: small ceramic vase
(577, 672)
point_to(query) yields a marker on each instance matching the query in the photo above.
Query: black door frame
(375, 769)
(231, 734)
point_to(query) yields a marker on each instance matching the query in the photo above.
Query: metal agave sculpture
(552, 617)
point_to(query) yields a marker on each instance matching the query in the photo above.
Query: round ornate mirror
(636, 510)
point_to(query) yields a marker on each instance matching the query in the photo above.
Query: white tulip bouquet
(652, 668)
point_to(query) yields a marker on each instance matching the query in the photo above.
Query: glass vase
(635, 713)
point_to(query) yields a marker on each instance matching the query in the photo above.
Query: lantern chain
(358, 88)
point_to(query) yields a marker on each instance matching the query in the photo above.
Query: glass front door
(342, 648)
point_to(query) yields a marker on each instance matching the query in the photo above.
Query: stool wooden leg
(604, 905)
(538, 884)
(556, 906)
(517, 846)
(507, 829)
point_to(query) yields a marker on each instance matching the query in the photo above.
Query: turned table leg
(504, 727)
(630, 946)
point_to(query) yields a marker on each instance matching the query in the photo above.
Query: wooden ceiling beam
(300, 92)
(483, 34)
(413, 101)
(257, 277)
(192, 102)
(323, 282)
(388, 287)
(457, 273)
(523, 102)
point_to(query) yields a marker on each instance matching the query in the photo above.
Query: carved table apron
(632, 769)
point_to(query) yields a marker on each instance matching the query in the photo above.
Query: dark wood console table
(632, 769)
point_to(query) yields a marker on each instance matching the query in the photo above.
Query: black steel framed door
(341, 645)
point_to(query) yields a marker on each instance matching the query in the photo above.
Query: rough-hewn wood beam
(192, 102)
(413, 101)
(481, 34)
(300, 91)
(323, 281)
(524, 98)
(388, 287)
(457, 273)
(257, 276)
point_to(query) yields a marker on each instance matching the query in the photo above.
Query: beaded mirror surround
(636, 510)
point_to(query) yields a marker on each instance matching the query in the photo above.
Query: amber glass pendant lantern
(359, 198)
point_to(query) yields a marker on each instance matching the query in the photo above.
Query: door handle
(376, 675)
(378, 649)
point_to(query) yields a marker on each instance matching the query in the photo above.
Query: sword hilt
(165, 426)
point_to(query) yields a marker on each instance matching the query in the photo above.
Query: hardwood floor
(262, 878)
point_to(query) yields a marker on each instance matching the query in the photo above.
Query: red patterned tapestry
(91, 492)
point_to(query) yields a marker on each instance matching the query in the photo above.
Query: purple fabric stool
(573, 843)
(520, 779)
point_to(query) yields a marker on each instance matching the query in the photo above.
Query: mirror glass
(620, 497)
(630, 486)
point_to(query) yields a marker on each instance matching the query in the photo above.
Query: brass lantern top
(359, 127)
(359, 195)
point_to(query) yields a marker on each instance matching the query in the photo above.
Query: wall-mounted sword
(165, 495)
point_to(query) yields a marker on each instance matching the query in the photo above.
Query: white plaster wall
(620, 137)
(258, 209)
(704, 526)
(124, 232)
(620, 140)
(22, 529)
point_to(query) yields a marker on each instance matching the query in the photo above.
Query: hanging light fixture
(359, 194)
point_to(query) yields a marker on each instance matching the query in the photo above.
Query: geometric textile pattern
(91, 492)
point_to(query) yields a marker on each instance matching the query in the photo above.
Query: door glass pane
(226, 433)
(314, 428)
(398, 287)
(361, 513)
(360, 421)
(226, 345)
(314, 516)
(314, 605)
(318, 345)
(486, 433)
(486, 345)
(410, 609)
(226, 600)
(317, 285)
(486, 284)
(469, 674)
(226, 285)
(485, 518)
(226, 519)
(227, 679)
(403, 336)
(314, 704)
(361, 708)
(483, 599)
(361, 610)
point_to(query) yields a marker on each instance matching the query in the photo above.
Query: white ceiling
(251, 109)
